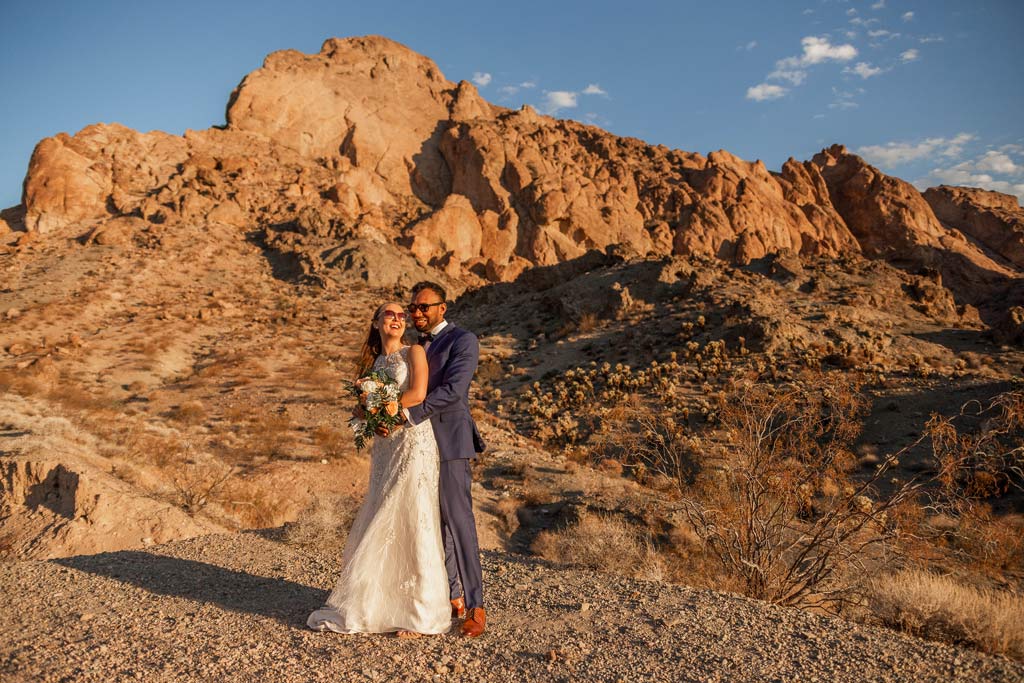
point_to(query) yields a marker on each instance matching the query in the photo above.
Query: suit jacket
(451, 360)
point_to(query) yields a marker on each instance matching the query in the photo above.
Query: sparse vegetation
(333, 443)
(940, 607)
(600, 541)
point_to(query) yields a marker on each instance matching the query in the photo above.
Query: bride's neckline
(393, 353)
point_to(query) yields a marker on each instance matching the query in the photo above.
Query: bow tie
(424, 338)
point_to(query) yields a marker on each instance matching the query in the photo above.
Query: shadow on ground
(285, 601)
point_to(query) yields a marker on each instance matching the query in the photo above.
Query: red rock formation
(994, 220)
(368, 139)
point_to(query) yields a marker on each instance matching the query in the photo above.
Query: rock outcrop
(60, 507)
(367, 139)
(993, 219)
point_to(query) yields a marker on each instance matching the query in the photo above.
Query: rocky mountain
(367, 139)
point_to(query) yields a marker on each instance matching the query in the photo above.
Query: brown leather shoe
(459, 607)
(474, 624)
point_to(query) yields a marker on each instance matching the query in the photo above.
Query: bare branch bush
(783, 515)
(980, 456)
(198, 479)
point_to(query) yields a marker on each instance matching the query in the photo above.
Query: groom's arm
(458, 374)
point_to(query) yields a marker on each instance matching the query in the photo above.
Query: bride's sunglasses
(423, 308)
(400, 316)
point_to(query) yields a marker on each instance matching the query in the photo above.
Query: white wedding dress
(393, 575)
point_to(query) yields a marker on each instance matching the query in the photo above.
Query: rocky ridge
(372, 142)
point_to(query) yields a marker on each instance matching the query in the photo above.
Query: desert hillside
(177, 314)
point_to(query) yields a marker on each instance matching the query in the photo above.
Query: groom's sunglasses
(422, 308)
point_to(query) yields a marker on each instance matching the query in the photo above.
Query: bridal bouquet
(378, 394)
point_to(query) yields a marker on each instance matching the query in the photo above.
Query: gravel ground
(233, 608)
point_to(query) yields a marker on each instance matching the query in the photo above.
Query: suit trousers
(458, 531)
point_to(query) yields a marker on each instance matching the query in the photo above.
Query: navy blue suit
(452, 359)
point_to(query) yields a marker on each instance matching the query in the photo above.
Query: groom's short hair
(432, 286)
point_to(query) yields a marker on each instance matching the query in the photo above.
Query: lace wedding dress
(393, 575)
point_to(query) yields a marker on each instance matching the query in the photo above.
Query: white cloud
(998, 162)
(556, 100)
(955, 147)
(971, 174)
(931, 39)
(864, 70)
(808, 11)
(481, 78)
(748, 47)
(510, 90)
(851, 12)
(794, 76)
(882, 33)
(765, 91)
(879, 5)
(844, 99)
(594, 89)
(908, 16)
(909, 55)
(898, 153)
(818, 49)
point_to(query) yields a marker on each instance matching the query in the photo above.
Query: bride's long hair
(371, 347)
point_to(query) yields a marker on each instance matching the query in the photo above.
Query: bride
(393, 575)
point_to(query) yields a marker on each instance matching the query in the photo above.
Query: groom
(452, 355)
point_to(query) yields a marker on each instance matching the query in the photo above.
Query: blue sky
(928, 90)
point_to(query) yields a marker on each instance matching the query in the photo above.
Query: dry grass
(190, 413)
(316, 372)
(323, 524)
(44, 379)
(252, 505)
(270, 436)
(939, 607)
(333, 443)
(602, 542)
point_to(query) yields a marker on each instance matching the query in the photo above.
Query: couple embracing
(412, 562)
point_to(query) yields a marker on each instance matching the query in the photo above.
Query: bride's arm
(417, 390)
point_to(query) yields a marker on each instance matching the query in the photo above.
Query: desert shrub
(198, 478)
(980, 458)
(567, 408)
(988, 459)
(940, 607)
(781, 515)
(190, 412)
(269, 436)
(651, 444)
(601, 542)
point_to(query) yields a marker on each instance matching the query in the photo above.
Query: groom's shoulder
(462, 335)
